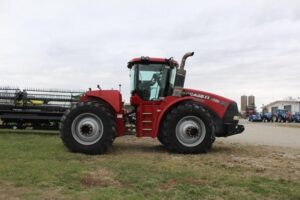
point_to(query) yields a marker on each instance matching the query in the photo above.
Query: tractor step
(147, 129)
(147, 121)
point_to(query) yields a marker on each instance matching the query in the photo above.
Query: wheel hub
(87, 128)
(190, 131)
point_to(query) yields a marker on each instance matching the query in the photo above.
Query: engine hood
(207, 96)
(215, 102)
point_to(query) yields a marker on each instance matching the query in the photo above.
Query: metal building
(291, 105)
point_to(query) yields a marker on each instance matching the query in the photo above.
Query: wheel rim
(87, 128)
(190, 131)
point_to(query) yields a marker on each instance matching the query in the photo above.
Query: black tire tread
(108, 136)
(167, 129)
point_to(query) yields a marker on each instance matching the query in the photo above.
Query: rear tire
(188, 128)
(88, 127)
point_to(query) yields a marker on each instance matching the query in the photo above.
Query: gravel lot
(273, 134)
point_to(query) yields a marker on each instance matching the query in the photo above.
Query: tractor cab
(152, 78)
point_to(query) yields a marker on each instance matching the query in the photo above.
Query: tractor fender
(113, 98)
(166, 107)
(217, 118)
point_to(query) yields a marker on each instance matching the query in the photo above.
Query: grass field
(35, 165)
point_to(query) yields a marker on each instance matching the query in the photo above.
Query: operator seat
(144, 89)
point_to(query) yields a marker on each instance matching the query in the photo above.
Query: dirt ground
(268, 160)
(278, 147)
(273, 134)
(266, 147)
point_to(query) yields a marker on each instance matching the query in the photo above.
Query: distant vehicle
(281, 115)
(267, 117)
(296, 117)
(289, 116)
(255, 117)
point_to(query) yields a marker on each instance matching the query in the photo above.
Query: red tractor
(183, 120)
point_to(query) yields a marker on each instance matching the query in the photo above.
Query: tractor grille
(232, 110)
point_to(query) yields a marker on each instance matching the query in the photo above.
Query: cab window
(149, 83)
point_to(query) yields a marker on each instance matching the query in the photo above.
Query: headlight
(236, 117)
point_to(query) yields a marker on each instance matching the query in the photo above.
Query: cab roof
(151, 60)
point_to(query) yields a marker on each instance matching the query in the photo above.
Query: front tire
(88, 127)
(188, 128)
(161, 139)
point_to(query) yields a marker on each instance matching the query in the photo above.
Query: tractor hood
(215, 102)
(225, 109)
(207, 96)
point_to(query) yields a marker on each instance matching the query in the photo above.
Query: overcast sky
(241, 47)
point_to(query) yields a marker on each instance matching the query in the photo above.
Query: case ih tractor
(183, 120)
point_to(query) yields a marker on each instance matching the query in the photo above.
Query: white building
(289, 105)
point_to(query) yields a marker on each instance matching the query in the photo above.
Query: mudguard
(222, 109)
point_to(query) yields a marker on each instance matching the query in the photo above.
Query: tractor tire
(188, 128)
(161, 139)
(88, 127)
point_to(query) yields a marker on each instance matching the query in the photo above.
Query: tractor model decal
(201, 96)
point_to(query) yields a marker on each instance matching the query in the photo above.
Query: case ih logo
(201, 96)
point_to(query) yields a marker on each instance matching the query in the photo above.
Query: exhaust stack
(180, 76)
(182, 64)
